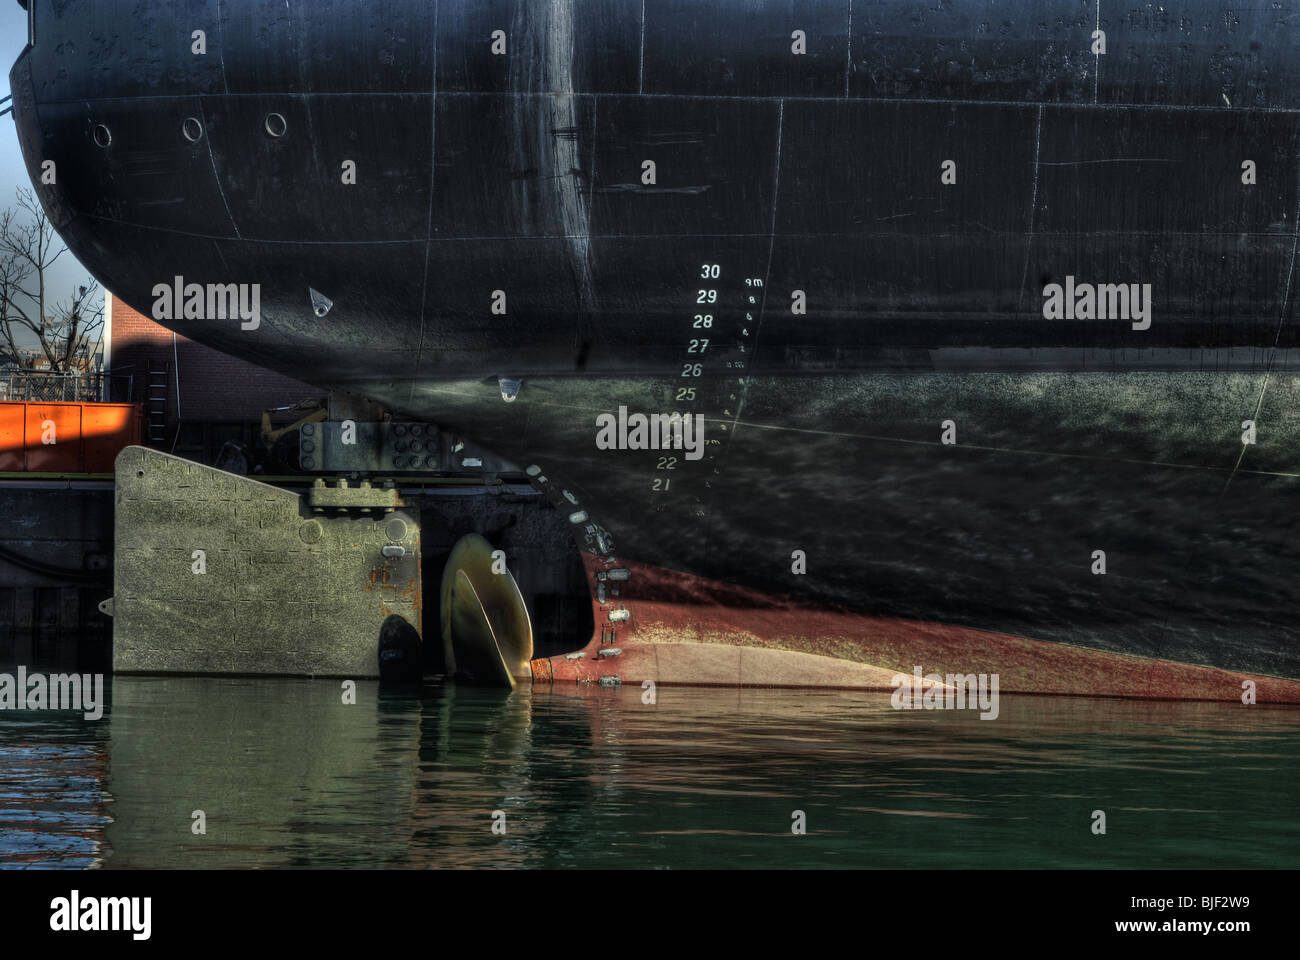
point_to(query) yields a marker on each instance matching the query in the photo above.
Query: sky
(65, 275)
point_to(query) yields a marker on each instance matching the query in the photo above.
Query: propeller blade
(486, 631)
(478, 655)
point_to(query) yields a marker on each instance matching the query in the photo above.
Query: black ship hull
(841, 260)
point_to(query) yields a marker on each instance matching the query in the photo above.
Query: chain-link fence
(41, 385)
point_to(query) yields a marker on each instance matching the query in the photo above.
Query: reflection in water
(53, 807)
(287, 775)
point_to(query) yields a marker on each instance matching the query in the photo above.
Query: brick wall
(213, 386)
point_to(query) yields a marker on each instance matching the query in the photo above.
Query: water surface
(287, 775)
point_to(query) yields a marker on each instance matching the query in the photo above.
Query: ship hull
(668, 627)
(841, 264)
(839, 493)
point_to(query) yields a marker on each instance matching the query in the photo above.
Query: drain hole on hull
(191, 129)
(102, 135)
(276, 125)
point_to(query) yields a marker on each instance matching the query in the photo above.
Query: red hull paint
(674, 628)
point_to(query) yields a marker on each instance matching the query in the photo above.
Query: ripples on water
(592, 777)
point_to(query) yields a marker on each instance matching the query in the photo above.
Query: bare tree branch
(67, 333)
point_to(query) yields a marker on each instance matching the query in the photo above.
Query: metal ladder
(156, 398)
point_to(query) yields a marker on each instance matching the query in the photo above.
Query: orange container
(53, 438)
(13, 456)
(65, 437)
(105, 429)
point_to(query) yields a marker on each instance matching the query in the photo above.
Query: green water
(289, 776)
